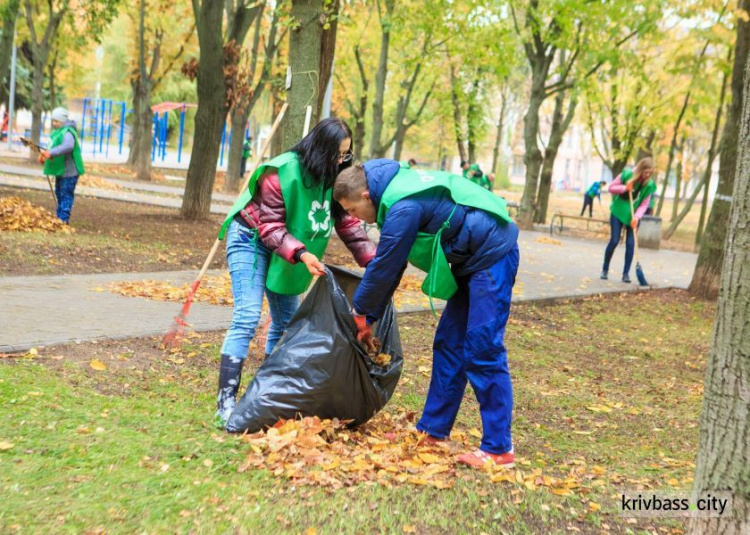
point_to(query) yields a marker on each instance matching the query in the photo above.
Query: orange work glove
(629, 185)
(364, 333)
(634, 222)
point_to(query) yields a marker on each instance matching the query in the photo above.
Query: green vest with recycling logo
(427, 253)
(56, 166)
(308, 218)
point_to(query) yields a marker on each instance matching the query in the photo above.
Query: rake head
(174, 336)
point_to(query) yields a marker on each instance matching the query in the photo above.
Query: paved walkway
(50, 310)
(172, 198)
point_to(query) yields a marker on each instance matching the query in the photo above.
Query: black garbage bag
(319, 368)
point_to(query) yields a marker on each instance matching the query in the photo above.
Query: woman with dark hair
(277, 233)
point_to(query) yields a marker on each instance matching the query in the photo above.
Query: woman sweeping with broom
(638, 186)
(277, 233)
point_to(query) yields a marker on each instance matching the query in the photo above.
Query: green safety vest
(427, 253)
(620, 207)
(404, 165)
(478, 180)
(308, 218)
(245, 149)
(56, 166)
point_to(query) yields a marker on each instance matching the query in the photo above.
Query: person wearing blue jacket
(462, 236)
(588, 198)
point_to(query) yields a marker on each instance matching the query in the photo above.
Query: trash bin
(649, 232)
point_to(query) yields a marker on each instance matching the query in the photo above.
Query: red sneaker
(428, 440)
(482, 459)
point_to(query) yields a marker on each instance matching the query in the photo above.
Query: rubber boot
(230, 375)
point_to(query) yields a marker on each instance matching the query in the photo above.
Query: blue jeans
(64, 191)
(469, 346)
(616, 229)
(248, 261)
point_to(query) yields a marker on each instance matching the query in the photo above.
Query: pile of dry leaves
(17, 214)
(387, 451)
(218, 291)
(213, 290)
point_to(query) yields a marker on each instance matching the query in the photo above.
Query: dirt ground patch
(112, 236)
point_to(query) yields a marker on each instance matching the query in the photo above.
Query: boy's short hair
(350, 183)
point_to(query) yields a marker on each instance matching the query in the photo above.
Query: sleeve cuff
(298, 254)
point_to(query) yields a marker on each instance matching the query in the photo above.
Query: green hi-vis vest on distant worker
(308, 218)
(620, 207)
(427, 253)
(477, 176)
(56, 166)
(246, 149)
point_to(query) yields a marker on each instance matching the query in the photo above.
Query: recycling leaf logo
(320, 216)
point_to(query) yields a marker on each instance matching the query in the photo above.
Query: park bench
(558, 221)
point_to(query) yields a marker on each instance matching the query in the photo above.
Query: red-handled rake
(174, 335)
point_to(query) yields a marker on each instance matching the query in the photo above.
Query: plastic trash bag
(319, 368)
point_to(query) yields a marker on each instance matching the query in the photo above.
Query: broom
(173, 336)
(638, 269)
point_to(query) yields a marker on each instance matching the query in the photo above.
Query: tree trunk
(457, 121)
(702, 220)
(239, 116)
(560, 125)
(532, 159)
(327, 51)
(359, 127)
(678, 184)
(499, 133)
(672, 148)
(724, 451)
(9, 16)
(304, 57)
(51, 84)
(380, 78)
(707, 274)
(709, 166)
(473, 118)
(142, 132)
(211, 113)
(37, 104)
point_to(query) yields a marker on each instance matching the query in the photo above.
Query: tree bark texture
(457, 120)
(473, 119)
(212, 89)
(560, 125)
(707, 273)
(380, 78)
(672, 148)
(9, 16)
(304, 60)
(499, 133)
(723, 461)
(40, 50)
(532, 159)
(709, 167)
(328, 50)
(211, 113)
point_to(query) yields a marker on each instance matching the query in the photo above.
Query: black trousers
(588, 200)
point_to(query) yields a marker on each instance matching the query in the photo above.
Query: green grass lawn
(607, 393)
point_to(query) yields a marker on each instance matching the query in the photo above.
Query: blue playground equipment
(96, 123)
(161, 128)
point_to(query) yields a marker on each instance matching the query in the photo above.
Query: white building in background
(577, 164)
